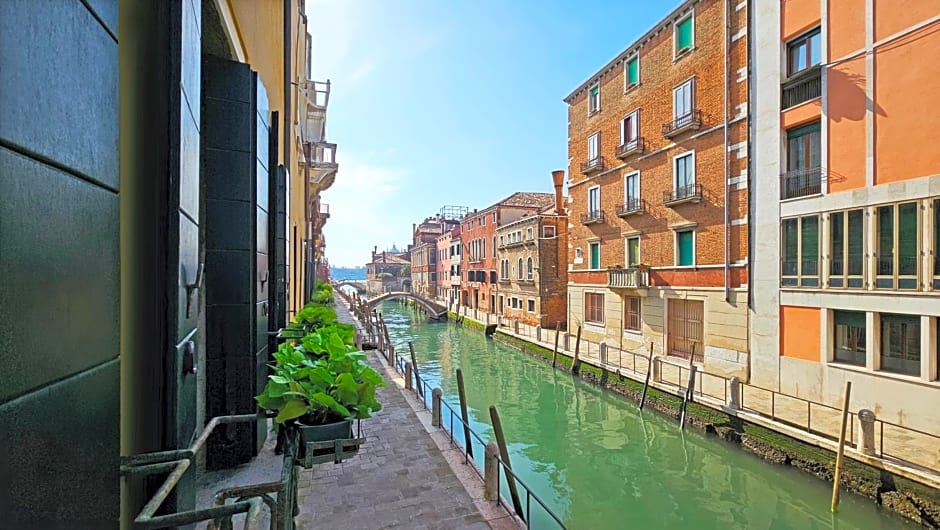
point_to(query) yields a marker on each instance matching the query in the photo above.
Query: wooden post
(462, 395)
(555, 351)
(688, 396)
(649, 372)
(408, 382)
(576, 363)
(436, 407)
(839, 455)
(414, 364)
(504, 455)
(491, 472)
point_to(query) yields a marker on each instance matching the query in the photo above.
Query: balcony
(632, 206)
(316, 97)
(504, 281)
(688, 193)
(633, 147)
(687, 122)
(592, 217)
(632, 278)
(801, 87)
(512, 244)
(800, 183)
(593, 165)
(320, 157)
(526, 282)
(324, 211)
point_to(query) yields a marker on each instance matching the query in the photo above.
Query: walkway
(399, 479)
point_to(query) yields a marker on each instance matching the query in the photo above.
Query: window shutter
(685, 248)
(633, 71)
(684, 35)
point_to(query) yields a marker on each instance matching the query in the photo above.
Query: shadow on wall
(853, 101)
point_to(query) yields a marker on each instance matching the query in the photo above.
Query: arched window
(528, 268)
(520, 269)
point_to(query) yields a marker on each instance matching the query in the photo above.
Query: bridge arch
(433, 308)
(358, 285)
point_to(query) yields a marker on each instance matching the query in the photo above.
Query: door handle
(189, 358)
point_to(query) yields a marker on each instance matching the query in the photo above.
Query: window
(531, 306)
(683, 99)
(594, 308)
(494, 246)
(900, 344)
(519, 271)
(595, 255)
(803, 176)
(482, 248)
(549, 231)
(849, 331)
(578, 255)
(631, 313)
(495, 217)
(684, 171)
(594, 146)
(847, 238)
(629, 128)
(482, 220)
(897, 246)
(433, 276)
(504, 269)
(594, 99)
(936, 245)
(684, 36)
(528, 269)
(631, 72)
(803, 52)
(800, 251)
(685, 248)
(528, 234)
(594, 202)
(492, 276)
(633, 251)
(684, 328)
(631, 192)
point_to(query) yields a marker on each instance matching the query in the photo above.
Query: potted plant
(321, 385)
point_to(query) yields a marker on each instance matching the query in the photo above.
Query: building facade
(443, 245)
(532, 265)
(388, 271)
(658, 188)
(456, 269)
(846, 269)
(479, 286)
(424, 268)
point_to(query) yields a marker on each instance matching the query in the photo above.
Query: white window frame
(636, 126)
(626, 197)
(529, 269)
(675, 33)
(675, 239)
(595, 140)
(528, 233)
(690, 82)
(545, 231)
(675, 170)
(626, 250)
(626, 72)
(592, 211)
(530, 302)
(591, 110)
(578, 256)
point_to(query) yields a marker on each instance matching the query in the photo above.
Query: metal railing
(801, 182)
(595, 164)
(687, 193)
(592, 216)
(803, 86)
(628, 148)
(632, 205)
(691, 120)
(632, 278)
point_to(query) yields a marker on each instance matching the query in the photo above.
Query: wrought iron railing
(633, 205)
(691, 120)
(634, 146)
(592, 216)
(595, 164)
(687, 193)
(802, 87)
(801, 182)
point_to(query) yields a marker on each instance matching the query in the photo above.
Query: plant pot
(341, 430)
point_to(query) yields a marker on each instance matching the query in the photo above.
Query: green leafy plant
(313, 317)
(321, 380)
(322, 293)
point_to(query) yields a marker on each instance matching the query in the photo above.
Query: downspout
(725, 154)
(750, 156)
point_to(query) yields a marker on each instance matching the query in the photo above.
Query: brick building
(658, 191)
(443, 245)
(388, 271)
(532, 259)
(846, 268)
(424, 255)
(478, 288)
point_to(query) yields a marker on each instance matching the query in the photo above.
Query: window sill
(629, 333)
(631, 88)
(595, 326)
(802, 197)
(886, 375)
(678, 56)
(594, 112)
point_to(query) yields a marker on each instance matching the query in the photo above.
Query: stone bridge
(435, 309)
(359, 285)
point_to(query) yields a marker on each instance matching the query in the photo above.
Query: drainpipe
(725, 152)
(750, 169)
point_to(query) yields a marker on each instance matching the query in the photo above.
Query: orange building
(845, 269)
(658, 188)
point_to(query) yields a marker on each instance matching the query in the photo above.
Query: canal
(599, 462)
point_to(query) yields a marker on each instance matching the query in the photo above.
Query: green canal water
(598, 462)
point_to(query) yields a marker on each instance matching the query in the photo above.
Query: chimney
(375, 250)
(383, 257)
(558, 178)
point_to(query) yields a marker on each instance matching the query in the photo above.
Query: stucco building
(846, 268)
(532, 260)
(388, 271)
(658, 188)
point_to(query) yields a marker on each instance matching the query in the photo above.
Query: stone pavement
(399, 478)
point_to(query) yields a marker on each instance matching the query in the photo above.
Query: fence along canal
(594, 461)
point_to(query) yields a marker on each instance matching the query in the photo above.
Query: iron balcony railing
(592, 165)
(631, 278)
(801, 182)
(691, 121)
(632, 206)
(634, 146)
(593, 216)
(801, 87)
(687, 193)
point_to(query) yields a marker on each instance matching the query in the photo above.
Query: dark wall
(59, 264)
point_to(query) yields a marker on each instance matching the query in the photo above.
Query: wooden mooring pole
(576, 363)
(839, 455)
(649, 372)
(462, 395)
(414, 364)
(689, 389)
(555, 351)
(504, 456)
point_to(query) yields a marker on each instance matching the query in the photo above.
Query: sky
(451, 102)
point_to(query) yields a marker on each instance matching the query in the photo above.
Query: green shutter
(684, 241)
(595, 255)
(684, 34)
(837, 239)
(856, 242)
(633, 71)
(936, 243)
(810, 243)
(886, 240)
(633, 251)
(907, 239)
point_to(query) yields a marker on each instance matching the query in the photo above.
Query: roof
(633, 48)
(527, 199)
(393, 259)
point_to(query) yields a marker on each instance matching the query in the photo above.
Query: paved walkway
(399, 479)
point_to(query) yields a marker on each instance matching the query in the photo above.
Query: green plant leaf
(278, 379)
(294, 408)
(326, 400)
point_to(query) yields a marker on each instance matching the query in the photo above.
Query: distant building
(388, 272)
(424, 255)
(443, 246)
(532, 258)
